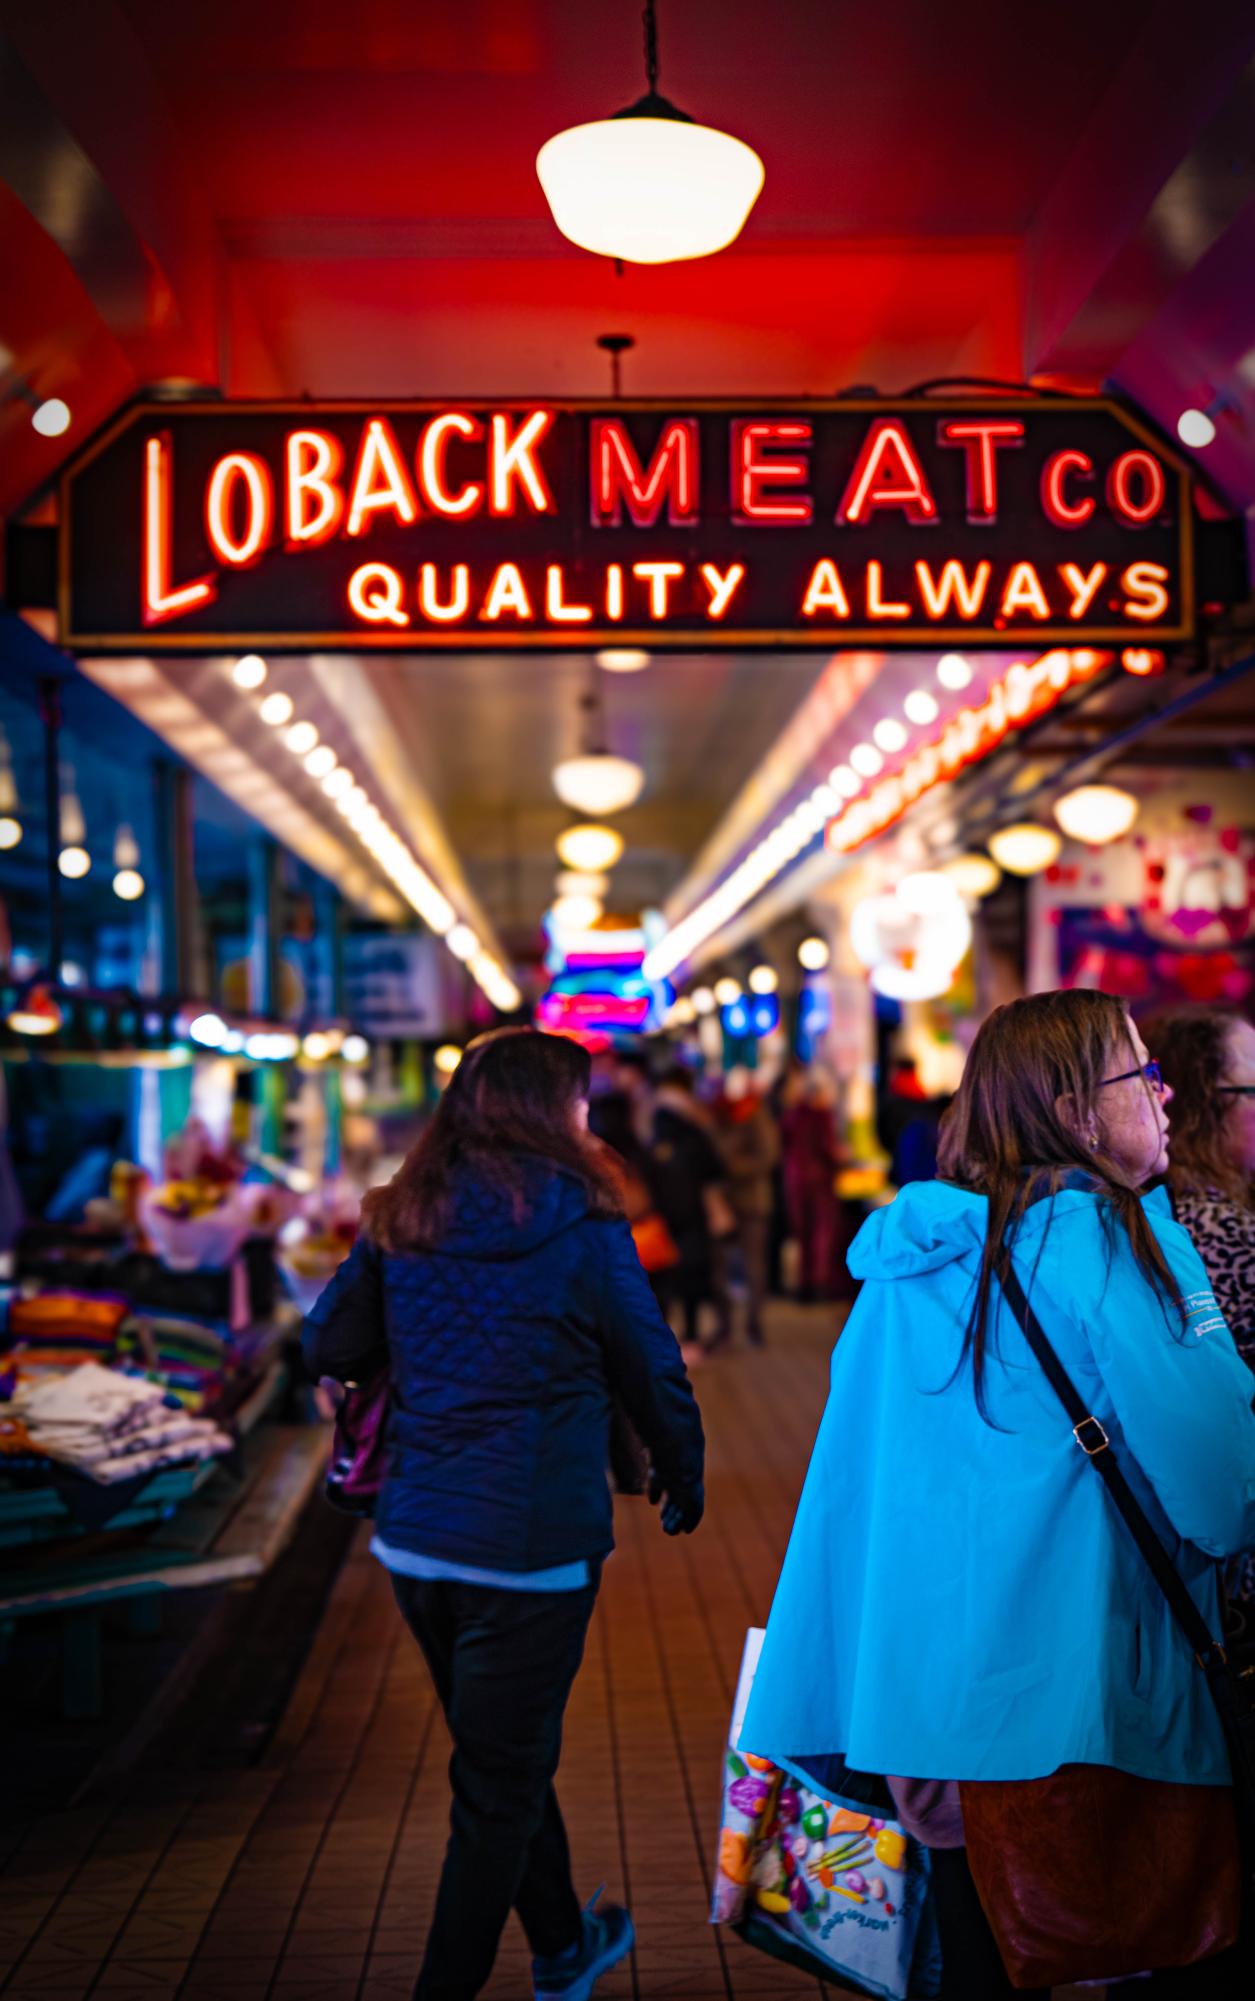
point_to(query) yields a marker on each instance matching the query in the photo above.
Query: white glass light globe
(589, 847)
(889, 734)
(74, 862)
(249, 671)
(813, 954)
(921, 707)
(301, 739)
(574, 913)
(1096, 814)
(649, 190)
(462, 942)
(580, 882)
(764, 980)
(1195, 429)
(866, 760)
(52, 418)
(1025, 849)
(973, 875)
(321, 760)
(10, 831)
(727, 991)
(598, 782)
(703, 1000)
(128, 883)
(446, 1059)
(622, 659)
(927, 891)
(953, 671)
(846, 782)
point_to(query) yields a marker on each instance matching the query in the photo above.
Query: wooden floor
(310, 1875)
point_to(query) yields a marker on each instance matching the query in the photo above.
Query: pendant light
(73, 861)
(1026, 848)
(1096, 814)
(128, 883)
(595, 781)
(589, 847)
(649, 185)
(10, 825)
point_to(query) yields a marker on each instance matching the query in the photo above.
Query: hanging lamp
(649, 185)
(595, 781)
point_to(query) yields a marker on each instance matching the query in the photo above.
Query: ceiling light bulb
(649, 186)
(128, 883)
(36, 1013)
(462, 942)
(764, 980)
(74, 862)
(813, 954)
(890, 735)
(316, 1046)
(338, 783)
(355, 1049)
(598, 782)
(1025, 849)
(446, 1059)
(249, 671)
(10, 831)
(921, 707)
(973, 875)
(1096, 814)
(576, 882)
(866, 760)
(622, 659)
(953, 671)
(321, 760)
(589, 847)
(276, 709)
(301, 738)
(1195, 429)
(52, 418)
(574, 913)
(703, 1000)
(727, 991)
(927, 891)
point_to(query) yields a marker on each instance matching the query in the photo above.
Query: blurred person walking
(497, 1282)
(1054, 1664)
(686, 1175)
(749, 1146)
(808, 1137)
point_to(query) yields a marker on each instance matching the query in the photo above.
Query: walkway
(307, 1875)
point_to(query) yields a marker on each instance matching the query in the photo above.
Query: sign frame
(657, 638)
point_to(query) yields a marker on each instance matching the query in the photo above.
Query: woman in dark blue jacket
(498, 1281)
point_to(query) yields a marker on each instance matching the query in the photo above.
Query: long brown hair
(1005, 1138)
(1191, 1045)
(510, 1099)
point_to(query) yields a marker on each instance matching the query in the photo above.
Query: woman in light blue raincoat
(960, 1599)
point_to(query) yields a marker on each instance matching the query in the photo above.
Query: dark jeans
(971, 1965)
(503, 1663)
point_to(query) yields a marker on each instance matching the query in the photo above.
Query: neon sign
(908, 523)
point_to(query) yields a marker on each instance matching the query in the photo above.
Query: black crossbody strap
(1093, 1441)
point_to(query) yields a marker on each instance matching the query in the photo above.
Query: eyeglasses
(1238, 1090)
(1153, 1075)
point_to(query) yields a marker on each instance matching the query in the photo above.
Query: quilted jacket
(507, 1345)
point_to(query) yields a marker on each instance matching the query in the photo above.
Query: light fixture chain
(650, 19)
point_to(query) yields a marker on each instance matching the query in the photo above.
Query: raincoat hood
(930, 1224)
(488, 1220)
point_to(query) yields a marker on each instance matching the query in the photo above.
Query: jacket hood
(488, 1221)
(932, 1223)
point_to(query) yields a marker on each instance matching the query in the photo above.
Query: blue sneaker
(572, 1975)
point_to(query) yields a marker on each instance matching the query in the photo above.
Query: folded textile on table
(112, 1426)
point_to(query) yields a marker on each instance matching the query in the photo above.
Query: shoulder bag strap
(1094, 1443)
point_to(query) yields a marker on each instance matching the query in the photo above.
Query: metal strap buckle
(1091, 1451)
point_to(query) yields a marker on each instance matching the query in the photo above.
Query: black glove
(682, 1508)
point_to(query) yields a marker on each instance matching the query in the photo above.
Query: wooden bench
(234, 1523)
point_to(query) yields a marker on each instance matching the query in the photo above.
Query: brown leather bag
(1092, 1874)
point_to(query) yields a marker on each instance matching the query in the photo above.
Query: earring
(1093, 1142)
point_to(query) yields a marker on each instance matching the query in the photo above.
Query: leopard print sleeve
(1224, 1237)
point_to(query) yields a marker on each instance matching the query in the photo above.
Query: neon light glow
(259, 503)
(980, 438)
(381, 485)
(613, 661)
(315, 461)
(1024, 593)
(1084, 587)
(752, 471)
(1147, 596)
(658, 576)
(506, 593)
(887, 474)
(954, 586)
(619, 479)
(721, 586)
(514, 463)
(877, 605)
(825, 591)
(556, 607)
(1058, 508)
(431, 468)
(449, 610)
(160, 599)
(1136, 472)
(375, 595)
